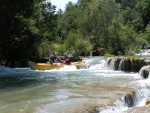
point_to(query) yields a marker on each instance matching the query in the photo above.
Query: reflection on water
(62, 91)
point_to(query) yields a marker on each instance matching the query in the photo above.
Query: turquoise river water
(92, 89)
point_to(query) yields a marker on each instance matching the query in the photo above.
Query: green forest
(30, 29)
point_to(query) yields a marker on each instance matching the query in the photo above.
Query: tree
(99, 15)
(24, 25)
(68, 20)
(143, 7)
(76, 44)
(47, 21)
(115, 41)
(17, 29)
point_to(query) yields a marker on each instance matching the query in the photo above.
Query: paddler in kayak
(65, 60)
(53, 58)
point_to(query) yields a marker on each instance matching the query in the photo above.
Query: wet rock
(144, 71)
(130, 99)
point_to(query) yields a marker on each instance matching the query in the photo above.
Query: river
(92, 89)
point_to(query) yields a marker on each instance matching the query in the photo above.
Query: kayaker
(53, 58)
(65, 60)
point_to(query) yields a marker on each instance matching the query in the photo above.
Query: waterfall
(133, 99)
(115, 63)
(130, 100)
(110, 64)
(94, 63)
(141, 96)
(127, 64)
(120, 67)
(91, 53)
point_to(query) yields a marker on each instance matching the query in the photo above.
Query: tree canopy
(30, 29)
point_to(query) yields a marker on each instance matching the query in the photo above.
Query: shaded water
(92, 89)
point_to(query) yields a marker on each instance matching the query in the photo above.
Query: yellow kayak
(45, 66)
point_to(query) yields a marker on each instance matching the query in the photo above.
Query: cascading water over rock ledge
(127, 64)
(133, 64)
(130, 64)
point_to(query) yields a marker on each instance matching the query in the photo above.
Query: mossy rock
(133, 64)
(128, 64)
(148, 101)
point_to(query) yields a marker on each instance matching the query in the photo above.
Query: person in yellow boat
(65, 60)
(53, 58)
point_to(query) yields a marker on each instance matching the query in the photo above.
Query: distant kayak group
(54, 62)
(46, 66)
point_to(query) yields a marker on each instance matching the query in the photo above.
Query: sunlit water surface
(67, 90)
